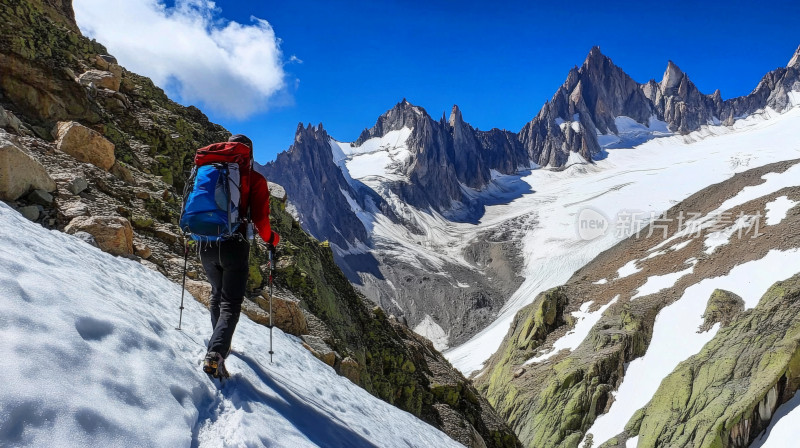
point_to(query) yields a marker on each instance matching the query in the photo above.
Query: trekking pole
(183, 288)
(271, 271)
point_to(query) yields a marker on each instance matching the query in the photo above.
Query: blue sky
(499, 61)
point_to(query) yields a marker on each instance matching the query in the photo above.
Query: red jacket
(255, 191)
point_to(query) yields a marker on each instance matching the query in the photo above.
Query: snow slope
(648, 178)
(92, 359)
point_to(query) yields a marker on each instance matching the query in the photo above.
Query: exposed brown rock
(85, 144)
(20, 173)
(287, 314)
(101, 79)
(350, 370)
(142, 250)
(113, 234)
(200, 290)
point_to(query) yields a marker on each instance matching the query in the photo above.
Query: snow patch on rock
(777, 210)
(584, 321)
(432, 331)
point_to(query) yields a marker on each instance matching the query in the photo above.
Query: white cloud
(231, 68)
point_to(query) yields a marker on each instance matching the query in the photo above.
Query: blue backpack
(211, 208)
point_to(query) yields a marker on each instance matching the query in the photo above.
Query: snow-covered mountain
(407, 204)
(96, 361)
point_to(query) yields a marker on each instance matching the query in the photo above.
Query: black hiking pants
(226, 265)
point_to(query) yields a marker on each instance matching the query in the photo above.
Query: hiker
(222, 232)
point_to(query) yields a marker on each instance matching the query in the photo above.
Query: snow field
(93, 359)
(675, 336)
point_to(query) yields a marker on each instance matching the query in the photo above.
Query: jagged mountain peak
(309, 131)
(795, 61)
(595, 56)
(673, 76)
(403, 114)
(597, 64)
(455, 116)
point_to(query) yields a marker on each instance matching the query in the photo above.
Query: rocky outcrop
(101, 79)
(710, 401)
(286, 312)
(60, 11)
(113, 234)
(85, 144)
(723, 307)
(19, 172)
(795, 60)
(317, 346)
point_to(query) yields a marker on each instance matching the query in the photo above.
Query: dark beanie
(239, 138)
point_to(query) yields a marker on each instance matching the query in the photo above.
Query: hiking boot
(214, 365)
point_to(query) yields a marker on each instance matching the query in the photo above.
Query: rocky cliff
(92, 149)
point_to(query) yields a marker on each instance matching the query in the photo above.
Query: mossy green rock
(725, 395)
(552, 404)
(722, 308)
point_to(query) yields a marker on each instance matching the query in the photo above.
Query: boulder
(200, 290)
(71, 210)
(85, 144)
(9, 121)
(19, 173)
(255, 313)
(142, 250)
(350, 370)
(286, 313)
(277, 192)
(320, 349)
(30, 212)
(77, 186)
(102, 79)
(105, 61)
(40, 197)
(113, 234)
